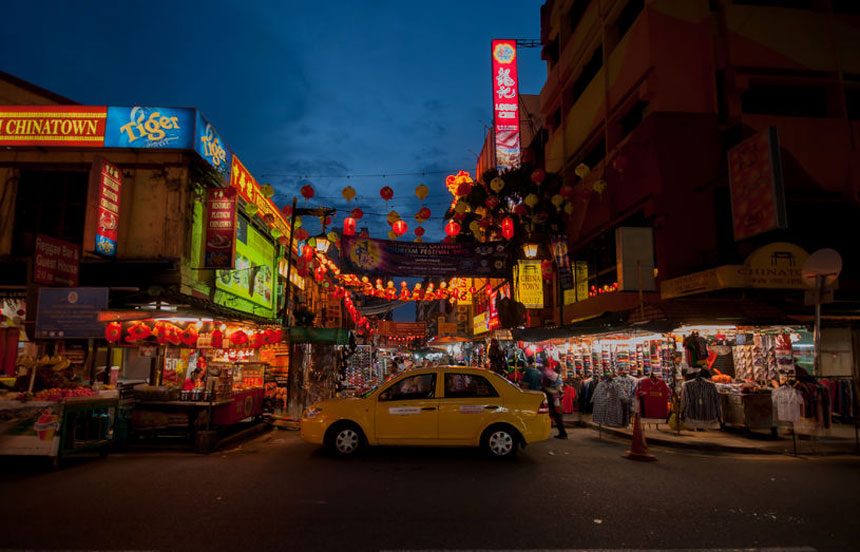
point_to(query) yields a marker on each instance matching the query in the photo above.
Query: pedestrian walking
(553, 387)
(496, 356)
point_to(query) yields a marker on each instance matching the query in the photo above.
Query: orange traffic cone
(638, 448)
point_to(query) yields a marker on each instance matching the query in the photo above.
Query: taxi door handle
(491, 407)
(428, 408)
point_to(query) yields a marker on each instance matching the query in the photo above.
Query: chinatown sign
(52, 125)
(774, 266)
(506, 114)
(530, 284)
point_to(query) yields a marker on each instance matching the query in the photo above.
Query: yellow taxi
(439, 406)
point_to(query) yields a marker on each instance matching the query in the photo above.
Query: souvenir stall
(204, 375)
(315, 366)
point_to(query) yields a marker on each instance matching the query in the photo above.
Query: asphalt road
(275, 492)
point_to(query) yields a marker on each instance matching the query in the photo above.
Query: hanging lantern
(287, 210)
(599, 186)
(297, 222)
(419, 231)
(392, 235)
(497, 184)
(348, 193)
(619, 163)
(386, 193)
(568, 208)
(333, 237)
(546, 269)
(531, 200)
(521, 210)
(461, 207)
(464, 188)
(113, 331)
(582, 170)
(308, 252)
(356, 214)
(267, 190)
(307, 191)
(399, 227)
(251, 209)
(491, 202)
(421, 191)
(508, 228)
(452, 229)
(393, 216)
(557, 200)
(301, 234)
(566, 191)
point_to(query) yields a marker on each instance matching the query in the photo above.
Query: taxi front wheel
(344, 439)
(500, 441)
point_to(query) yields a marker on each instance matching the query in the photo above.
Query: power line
(349, 176)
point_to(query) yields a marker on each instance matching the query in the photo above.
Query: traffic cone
(638, 448)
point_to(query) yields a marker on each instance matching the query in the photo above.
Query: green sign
(253, 277)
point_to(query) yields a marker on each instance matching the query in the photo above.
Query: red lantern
(508, 228)
(356, 214)
(189, 335)
(302, 234)
(546, 269)
(491, 202)
(217, 339)
(464, 189)
(349, 226)
(538, 176)
(239, 338)
(113, 331)
(269, 218)
(307, 191)
(386, 193)
(287, 210)
(620, 163)
(521, 210)
(307, 252)
(452, 229)
(283, 240)
(419, 231)
(400, 227)
(567, 191)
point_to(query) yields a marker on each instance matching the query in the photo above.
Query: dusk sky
(316, 90)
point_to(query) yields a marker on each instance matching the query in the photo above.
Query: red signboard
(220, 250)
(755, 179)
(247, 403)
(106, 179)
(506, 112)
(52, 125)
(402, 329)
(56, 262)
(494, 323)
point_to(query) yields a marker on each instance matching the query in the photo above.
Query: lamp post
(319, 212)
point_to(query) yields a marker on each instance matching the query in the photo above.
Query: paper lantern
(497, 184)
(287, 210)
(333, 237)
(521, 210)
(508, 228)
(452, 229)
(399, 227)
(301, 234)
(461, 206)
(546, 269)
(307, 191)
(356, 213)
(308, 252)
(419, 231)
(491, 202)
(386, 193)
(392, 235)
(267, 190)
(557, 200)
(393, 216)
(531, 200)
(113, 331)
(599, 186)
(348, 193)
(538, 176)
(463, 189)
(582, 170)
(619, 163)
(251, 209)
(568, 208)
(421, 191)
(422, 214)
(567, 191)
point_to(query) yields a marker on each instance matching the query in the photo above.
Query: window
(786, 100)
(589, 71)
(852, 103)
(595, 155)
(633, 118)
(554, 120)
(627, 17)
(52, 203)
(461, 386)
(418, 387)
(577, 11)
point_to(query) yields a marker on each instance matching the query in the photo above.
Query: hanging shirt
(700, 401)
(787, 404)
(653, 395)
(609, 404)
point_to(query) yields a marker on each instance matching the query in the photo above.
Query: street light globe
(530, 250)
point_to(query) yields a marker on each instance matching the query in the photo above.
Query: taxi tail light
(544, 407)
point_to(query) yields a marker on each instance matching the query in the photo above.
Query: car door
(407, 412)
(469, 404)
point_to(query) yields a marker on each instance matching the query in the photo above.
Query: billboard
(106, 181)
(254, 276)
(149, 127)
(52, 125)
(210, 146)
(220, 245)
(392, 258)
(506, 112)
(755, 180)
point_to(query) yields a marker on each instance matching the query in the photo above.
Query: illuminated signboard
(755, 181)
(480, 324)
(254, 276)
(506, 113)
(106, 181)
(244, 182)
(530, 284)
(52, 125)
(149, 127)
(210, 146)
(220, 246)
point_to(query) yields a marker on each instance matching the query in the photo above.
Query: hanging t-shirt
(653, 395)
(787, 404)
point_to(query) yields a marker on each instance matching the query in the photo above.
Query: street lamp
(530, 250)
(323, 244)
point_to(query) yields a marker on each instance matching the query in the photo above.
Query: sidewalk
(839, 440)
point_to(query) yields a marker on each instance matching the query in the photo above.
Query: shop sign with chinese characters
(755, 181)
(506, 115)
(107, 181)
(52, 125)
(220, 250)
(249, 190)
(56, 262)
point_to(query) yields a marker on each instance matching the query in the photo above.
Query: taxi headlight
(313, 412)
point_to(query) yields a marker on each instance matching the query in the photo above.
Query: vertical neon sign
(506, 112)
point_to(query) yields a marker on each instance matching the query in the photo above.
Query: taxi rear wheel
(344, 439)
(501, 441)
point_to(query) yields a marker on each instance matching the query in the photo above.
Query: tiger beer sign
(52, 125)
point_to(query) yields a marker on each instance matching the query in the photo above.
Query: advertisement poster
(392, 258)
(106, 179)
(220, 248)
(530, 284)
(56, 262)
(31, 429)
(506, 114)
(149, 127)
(52, 125)
(755, 180)
(254, 275)
(71, 313)
(210, 146)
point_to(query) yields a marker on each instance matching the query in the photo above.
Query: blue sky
(296, 88)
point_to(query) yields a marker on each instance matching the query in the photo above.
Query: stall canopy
(324, 336)
(671, 314)
(606, 322)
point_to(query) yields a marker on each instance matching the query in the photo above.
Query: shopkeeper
(194, 380)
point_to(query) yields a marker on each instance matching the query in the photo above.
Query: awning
(323, 336)
(670, 314)
(606, 322)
